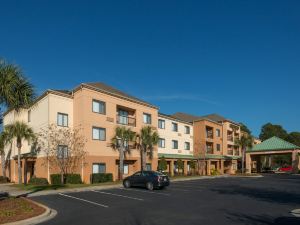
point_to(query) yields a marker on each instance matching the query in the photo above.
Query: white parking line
(149, 192)
(187, 186)
(123, 196)
(83, 200)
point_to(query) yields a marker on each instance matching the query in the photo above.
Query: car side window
(137, 174)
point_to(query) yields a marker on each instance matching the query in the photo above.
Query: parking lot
(232, 200)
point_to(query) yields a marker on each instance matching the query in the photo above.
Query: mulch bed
(15, 209)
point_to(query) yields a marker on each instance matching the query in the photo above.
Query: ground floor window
(126, 169)
(148, 167)
(99, 168)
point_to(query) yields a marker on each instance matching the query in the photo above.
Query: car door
(136, 179)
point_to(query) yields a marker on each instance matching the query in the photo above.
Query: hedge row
(38, 181)
(101, 177)
(4, 179)
(69, 179)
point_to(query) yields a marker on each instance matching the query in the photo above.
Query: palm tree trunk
(3, 164)
(121, 163)
(144, 160)
(243, 160)
(62, 180)
(19, 166)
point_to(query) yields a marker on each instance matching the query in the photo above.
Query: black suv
(148, 179)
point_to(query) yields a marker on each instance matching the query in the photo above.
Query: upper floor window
(99, 107)
(147, 118)
(174, 127)
(62, 119)
(161, 124)
(218, 147)
(187, 146)
(29, 116)
(174, 144)
(99, 133)
(161, 143)
(187, 130)
(62, 152)
(218, 133)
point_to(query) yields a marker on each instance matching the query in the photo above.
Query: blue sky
(240, 59)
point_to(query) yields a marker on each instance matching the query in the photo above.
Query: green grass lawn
(36, 188)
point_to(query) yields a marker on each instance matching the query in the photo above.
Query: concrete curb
(47, 215)
(296, 212)
(241, 176)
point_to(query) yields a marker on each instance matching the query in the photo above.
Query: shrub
(214, 172)
(4, 179)
(38, 181)
(101, 177)
(69, 179)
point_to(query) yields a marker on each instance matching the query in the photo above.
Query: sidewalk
(13, 191)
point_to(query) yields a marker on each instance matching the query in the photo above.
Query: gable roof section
(273, 144)
(185, 117)
(99, 86)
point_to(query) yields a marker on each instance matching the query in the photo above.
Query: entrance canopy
(274, 146)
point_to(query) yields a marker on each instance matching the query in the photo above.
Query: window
(123, 117)
(187, 130)
(174, 144)
(147, 118)
(99, 107)
(174, 127)
(126, 169)
(62, 152)
(99, 168)
(161, 143)
(218, 147)
(187, 145)
(218, 132)
(161, 124)
(62, 119)
(148, 167)
(29, 116)
(99, 133)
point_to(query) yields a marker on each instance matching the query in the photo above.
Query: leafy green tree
(294, 137)
(162, 164)
(244, 128)
(180, 165)
(193, 165)
(121, 140)
(146, 141)
(270, 130)
(244, 142)
(21, 131)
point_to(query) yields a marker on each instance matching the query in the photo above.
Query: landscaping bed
(15, 209)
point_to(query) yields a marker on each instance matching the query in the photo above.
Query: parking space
(267, 200)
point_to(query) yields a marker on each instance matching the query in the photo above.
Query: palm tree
(146, 141)
(120, 142)
(4, 140)
(245, 141)
(21, 131)
(16, 91)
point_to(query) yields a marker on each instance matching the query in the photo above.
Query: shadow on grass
(269, 195)
(37, 188)
(263, 219)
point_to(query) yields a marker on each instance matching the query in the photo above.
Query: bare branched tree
(63, 147)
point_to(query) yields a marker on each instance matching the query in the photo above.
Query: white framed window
(218, 133)
(147, 118)
(161, 124)
(161, 143)
(187, 146)
(29, 116)
(148, 167)
(174, 144)
(62, 119)
(99, 106)
(99, 133)
(126, 169)
(62, 151)
(99, 168)
(187, 130)
(174, 127)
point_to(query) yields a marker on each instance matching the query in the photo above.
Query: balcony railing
(236, 152)
(209, 134)
(209, 150)
(126, 120)
(229, 152)
(229, 138)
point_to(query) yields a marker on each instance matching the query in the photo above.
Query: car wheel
(126, 184)
(149, 186)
